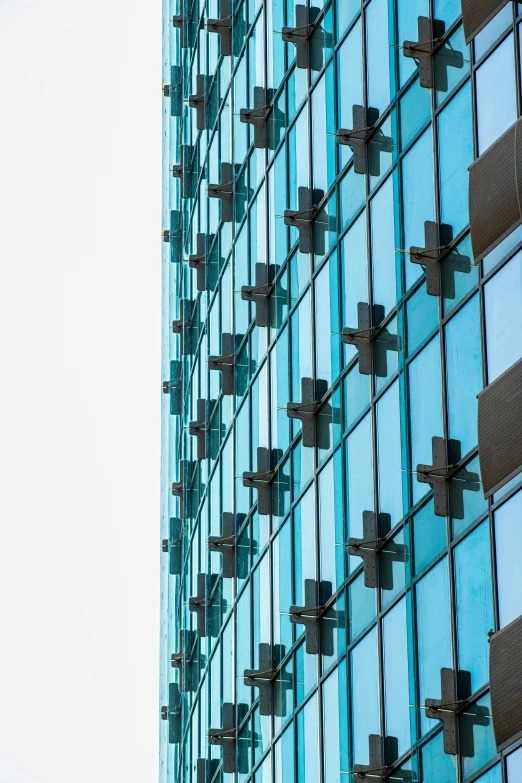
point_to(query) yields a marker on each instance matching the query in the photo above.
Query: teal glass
(378, 55)
(381, 648)
(408, 30)
(422, 318)
(437, 766)
(474, 605)
(362, 608)
(396, 672)
(477, 736)
(415, 109)
(332, 727)
(493, 775)
(359, 473)
(451, 61)
(384, 273)
(455, 157)
(284, 755)
(464, 374)
(418, 201)
(425, 410)
(467, 501)
(365, 695)
(389, 453)
(308, 743)
(433, 634)
(459, 275)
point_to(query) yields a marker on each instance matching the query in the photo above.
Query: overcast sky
(80, 221)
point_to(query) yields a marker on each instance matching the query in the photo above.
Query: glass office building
(342, 414)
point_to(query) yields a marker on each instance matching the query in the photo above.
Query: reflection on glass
(502, 295)
(496, 95)
(508, 540)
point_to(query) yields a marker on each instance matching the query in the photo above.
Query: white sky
(80, 221)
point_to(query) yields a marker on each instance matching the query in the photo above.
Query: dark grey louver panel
(477, 13)
(495, 192)
(505, 676)
(500, 429)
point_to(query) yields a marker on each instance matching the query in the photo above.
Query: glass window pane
(508, 541)
(503, 305)
(474, 605)
(433, 634)
(365, 696)
(359, 470)
(464, 374)
(496, 95)
(429, 536)
(378, 55)
(514, 766)
(492, 32)
(437, 766)
(425, 410)
(383, 247)
(455, 156)
(417, 181)
(308, 743)
(396, 679)
(476, 736)
(389, 451)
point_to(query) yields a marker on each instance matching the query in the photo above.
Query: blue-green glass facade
(346, 639)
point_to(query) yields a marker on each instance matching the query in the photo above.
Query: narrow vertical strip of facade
(341, 545)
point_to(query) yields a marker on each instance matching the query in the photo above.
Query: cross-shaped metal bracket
(260, 292)
(198, 100)
(225, 363)
(198, 429)
(431, 255)
(261, 480)
(182, 327)
(223, 27)
(368, 548)
(310, 615)
(423, 50)
(300, 36)
(174, 387)
(303, 218)
(364, 337)
(264, 677)
(172, 546)
(182, 661)
(226, 736)
(199, 261)
(226, 545)
(375, 770)
(181, 488)
(364, 121)
(172, 713)
(183, 170)
(257, 117)
(224, 191)
(174, 235)
(447, 709)
(198, 604)
(437, 476)
(306, 410)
